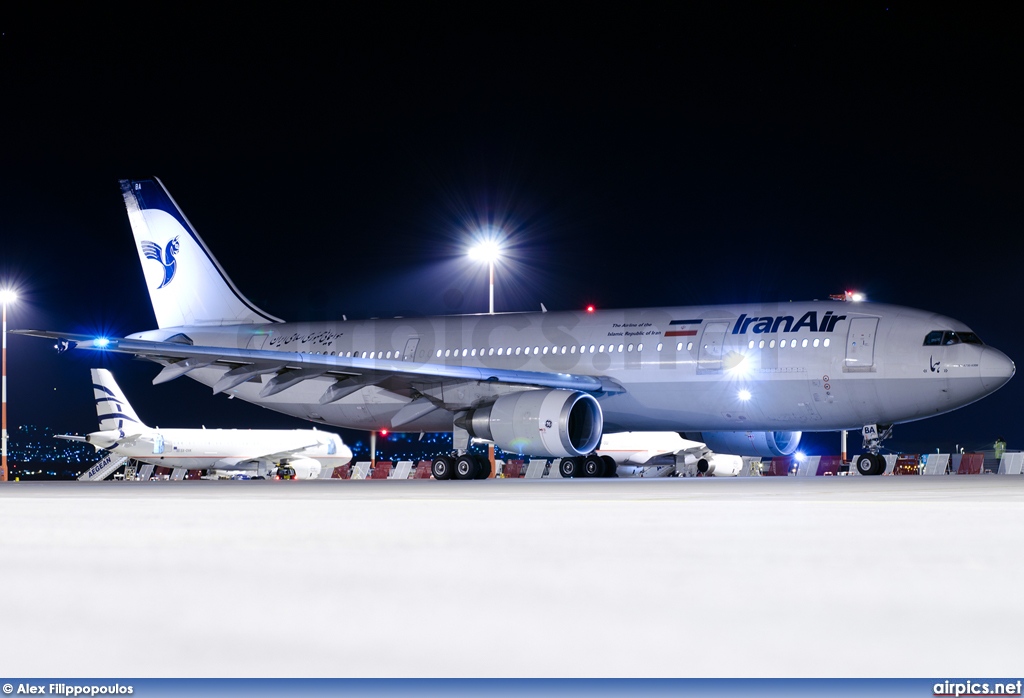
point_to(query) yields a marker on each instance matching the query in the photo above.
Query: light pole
(487, 251)
(6, 296)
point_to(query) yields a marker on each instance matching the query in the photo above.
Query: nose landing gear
(872, 462)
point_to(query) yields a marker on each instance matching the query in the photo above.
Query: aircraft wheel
(593, 466)
(483, 470)
(569, 467)
(441, 468)
(466, 467)
(879, 464)
(610, 468)
(867, 464)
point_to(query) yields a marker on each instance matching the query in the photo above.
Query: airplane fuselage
(810, 366)
(236, 449)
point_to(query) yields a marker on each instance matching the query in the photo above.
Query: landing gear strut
(872, 462)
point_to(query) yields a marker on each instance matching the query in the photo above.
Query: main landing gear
(872, 462)
(464, 467)
(588, 466)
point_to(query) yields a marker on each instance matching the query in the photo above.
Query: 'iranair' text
(786, 323)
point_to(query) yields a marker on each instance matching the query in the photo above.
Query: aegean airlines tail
(112, 406)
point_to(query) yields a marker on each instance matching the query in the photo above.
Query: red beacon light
(590, 308)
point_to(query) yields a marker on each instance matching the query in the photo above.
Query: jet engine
(305, 468)
(720, 464)
(104, 439)
(749, 443)
(541, 423)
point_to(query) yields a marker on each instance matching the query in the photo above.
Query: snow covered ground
(894, 576)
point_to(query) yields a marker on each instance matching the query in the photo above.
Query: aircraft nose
(995, 368)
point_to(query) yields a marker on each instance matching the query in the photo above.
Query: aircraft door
(257, 341)
(410, 349)
(158, 444)
(709, 358)
(860, 344)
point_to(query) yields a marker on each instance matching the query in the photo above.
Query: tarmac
(706, 577)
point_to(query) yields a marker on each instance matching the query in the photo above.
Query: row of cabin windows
(792, 343)
(540, 351)
(583, 349)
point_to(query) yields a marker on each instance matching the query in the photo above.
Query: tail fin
(186, 284)
(112, 406)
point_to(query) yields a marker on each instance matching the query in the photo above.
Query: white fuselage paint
(847, 365)
(233, 449)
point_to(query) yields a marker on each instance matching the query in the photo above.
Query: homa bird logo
(151, 250)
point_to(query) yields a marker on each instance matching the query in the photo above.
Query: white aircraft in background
(745, 379)
(257, 451)
(664, 453)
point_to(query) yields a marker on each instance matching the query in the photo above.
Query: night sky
(668, 154)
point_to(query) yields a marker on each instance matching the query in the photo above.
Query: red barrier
(907, 464)
(781, 466)
(342, 472)
(422, 471)
(971, 464)
(381, 470)
(829, 465)
(512, 468)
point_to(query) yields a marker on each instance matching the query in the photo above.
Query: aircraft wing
(70, 437)
(293, 367)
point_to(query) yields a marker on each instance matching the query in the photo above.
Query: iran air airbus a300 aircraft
(744, 379)
(258, 451)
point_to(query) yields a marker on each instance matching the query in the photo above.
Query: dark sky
(670, 154)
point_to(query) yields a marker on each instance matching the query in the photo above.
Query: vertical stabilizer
(112, 406)
(186, 284)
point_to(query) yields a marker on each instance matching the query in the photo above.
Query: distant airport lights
(487, 251)
(7, 296)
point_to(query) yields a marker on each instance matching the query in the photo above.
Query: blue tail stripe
(117, 415)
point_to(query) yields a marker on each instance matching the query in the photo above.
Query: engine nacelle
(720, 465)
(104, 439)
(305, 468)
(541, 423)
(749, 443)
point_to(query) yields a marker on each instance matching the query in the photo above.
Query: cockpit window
(948, 338)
